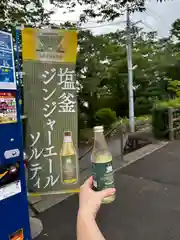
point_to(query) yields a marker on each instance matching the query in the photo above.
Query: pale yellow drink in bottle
(68, 160)
(102, 169)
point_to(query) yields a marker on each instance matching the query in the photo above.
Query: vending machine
(14, 220)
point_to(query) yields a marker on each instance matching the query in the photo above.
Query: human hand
(89, 200)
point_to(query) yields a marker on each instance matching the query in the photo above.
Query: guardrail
(118, 138)
(106, 135)
(173, 122)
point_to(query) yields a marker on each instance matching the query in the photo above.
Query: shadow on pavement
(143, 210)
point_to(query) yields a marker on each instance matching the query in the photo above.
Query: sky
(158, 17)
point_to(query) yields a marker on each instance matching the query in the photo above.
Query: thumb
(88, 182)
(106, 192)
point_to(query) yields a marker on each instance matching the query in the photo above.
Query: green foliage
(143, 105)
(160, 117)
(105, 117)
(107, 10)
(82, 119)
(175, 31)
(101, 67)
(160, 123)
(31, 13)
(174, 103)
(86, 135)
(174, 87)
(102, 72)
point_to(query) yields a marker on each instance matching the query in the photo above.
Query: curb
(141, 153)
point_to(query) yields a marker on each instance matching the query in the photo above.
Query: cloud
(158, 16)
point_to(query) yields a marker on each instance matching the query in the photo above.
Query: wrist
(85, 214)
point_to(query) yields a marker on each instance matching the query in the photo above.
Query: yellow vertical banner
(52, 45)
(50, 103)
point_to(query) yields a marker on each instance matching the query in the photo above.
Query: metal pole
(130, 72)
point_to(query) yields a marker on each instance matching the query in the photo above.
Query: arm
(89, 204)
(87, 228)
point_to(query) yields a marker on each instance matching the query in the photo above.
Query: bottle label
(67, 139)
(103, 176)
(69, 174)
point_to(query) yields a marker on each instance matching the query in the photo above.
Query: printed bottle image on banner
(68, 160)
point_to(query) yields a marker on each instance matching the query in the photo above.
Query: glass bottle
(102, 169)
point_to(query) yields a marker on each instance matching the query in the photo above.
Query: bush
(160, 122)
(160, 117)
(105, 117)
(86, 135)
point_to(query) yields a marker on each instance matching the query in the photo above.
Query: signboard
(7, 67)
(8, 110)
(18, 235)
(10, 190)
(50, 102)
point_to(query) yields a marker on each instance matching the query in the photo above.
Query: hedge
(105, 117)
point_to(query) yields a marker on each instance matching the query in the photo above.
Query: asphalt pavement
(147, 205)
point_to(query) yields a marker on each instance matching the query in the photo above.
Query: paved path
(44, 202)
(147, 205)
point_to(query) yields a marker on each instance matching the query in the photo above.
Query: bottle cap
(67, 133)
(98, 129)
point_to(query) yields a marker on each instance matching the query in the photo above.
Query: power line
(104, 25)
(151, 28)
(91, 27)
(58, 22)
(166, 45)
(74, 21)
(95, 21)
(158, 17)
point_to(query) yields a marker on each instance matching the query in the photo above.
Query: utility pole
(130, 71)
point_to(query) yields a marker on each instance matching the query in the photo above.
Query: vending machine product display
(14, 219)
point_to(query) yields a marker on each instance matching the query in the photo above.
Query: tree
(26, 12)
(102, 71)
(17, 12)
(90, 71)
(106, 10)
(175, 31)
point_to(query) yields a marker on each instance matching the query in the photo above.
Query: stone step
(34, 199)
